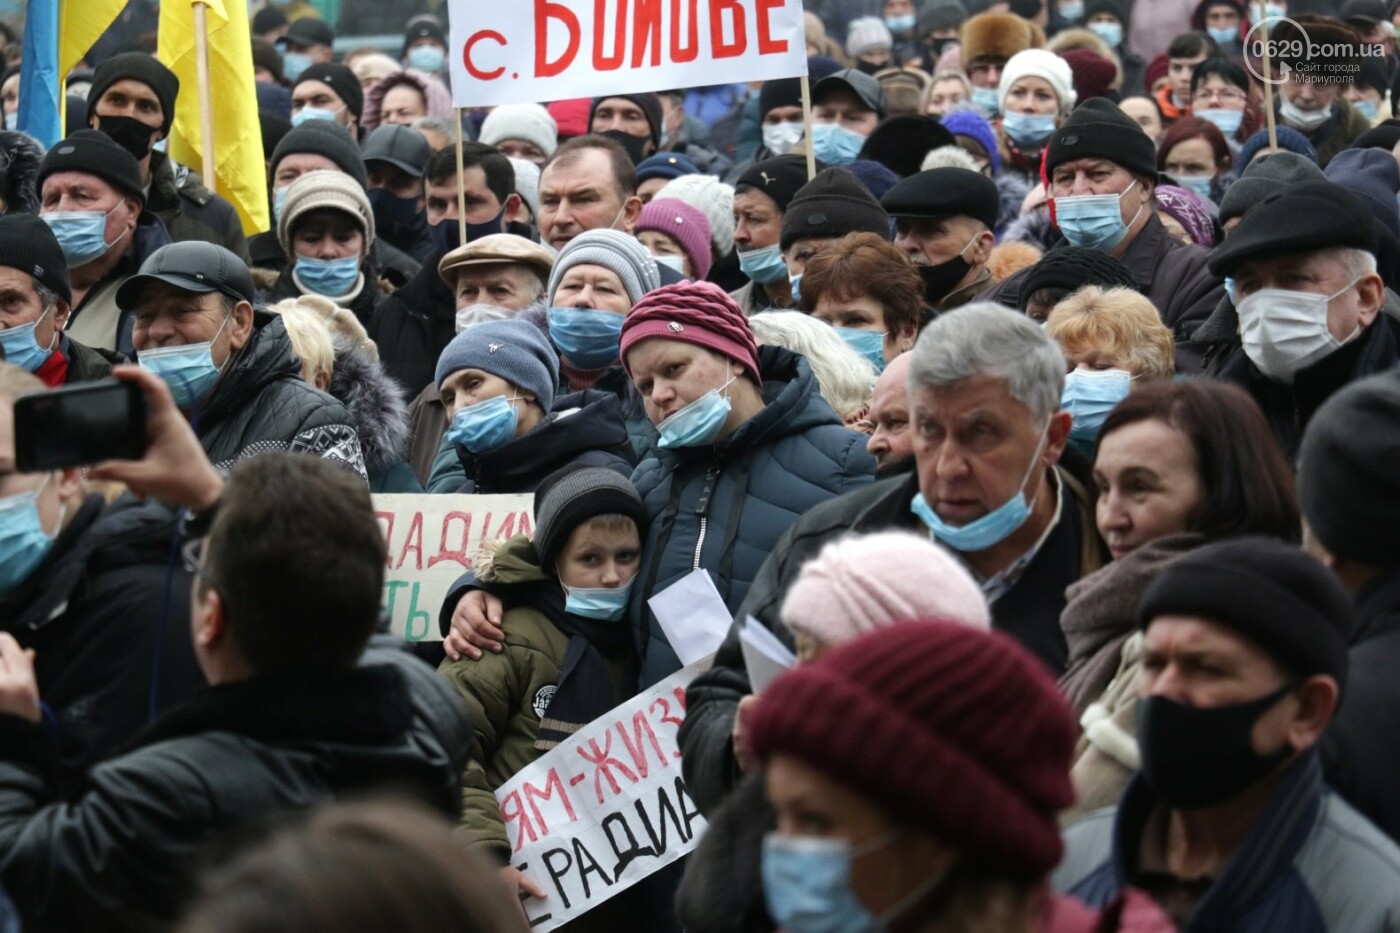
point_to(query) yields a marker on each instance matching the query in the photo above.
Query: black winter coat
(108, 614)
(262, 404)
(190, 211)
(722, 890)
(413, 326)
(115, 853)
(362, 306)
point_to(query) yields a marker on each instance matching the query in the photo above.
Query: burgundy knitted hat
(957, 730)
(695, 312)
(1093, 74)
(682, 223)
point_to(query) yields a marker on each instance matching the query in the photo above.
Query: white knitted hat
(324, 189)
(527, 184)
(866, 33)
(529, 122)
(1039, 63)
(714, 199)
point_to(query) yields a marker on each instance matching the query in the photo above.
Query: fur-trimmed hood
(435, 94)
(375, 402)
(20, 186)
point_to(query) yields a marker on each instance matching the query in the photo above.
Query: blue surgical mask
(1093, 221)
(989, 530)
(833, 144)
(81, 234)
(674, 263)
(1198, 184)
(427, 58)
(22, 349)
(294, 63)
(188, 370)
(485, 425)
(901, 24)
(1028, 130)
(1110, 33)
(1089, 396)
(698, 423)
(12, 119)
(1230, 281)
(1272, 11)
(314, 113)
(1223, 35)
(279, 200)
(807, 886)
(586, 337)
(330, 277)
(870, 344)
(606, 604)
(987, 100)
(764, 265)
(23, 542)
(1072, 11)
(1367, 108)
(797, 289)
(1227, 121)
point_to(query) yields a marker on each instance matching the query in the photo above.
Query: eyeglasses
(193, 562)
(1223, 96)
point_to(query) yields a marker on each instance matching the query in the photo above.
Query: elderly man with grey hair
(988, 432)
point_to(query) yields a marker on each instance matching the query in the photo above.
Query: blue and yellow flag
(57, 34)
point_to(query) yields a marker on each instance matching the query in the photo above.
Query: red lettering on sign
(600, 32)
(604, 762)
(680, 54)
(635, 746)
(646, 31)
(459, 554)
(474, 71)
(665, 711)
(720, 48)
(544, 12)
(533, 796)
(767, 45)
(413, 541)
(513, 812)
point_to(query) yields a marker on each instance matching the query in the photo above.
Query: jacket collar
(44, 596)
(1146, 249)
(1377, 607)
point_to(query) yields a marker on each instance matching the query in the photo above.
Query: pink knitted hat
(861, 583)
(682, 223)
(701, 313)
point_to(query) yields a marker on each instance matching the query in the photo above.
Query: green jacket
(505, 693)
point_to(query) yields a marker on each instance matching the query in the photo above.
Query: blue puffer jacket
(724, 507)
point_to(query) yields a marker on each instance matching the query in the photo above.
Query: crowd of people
(1038, 394)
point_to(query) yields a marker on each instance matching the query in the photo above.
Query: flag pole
(1265, 59)
(206, 103)
(807, 127)
(461, 185)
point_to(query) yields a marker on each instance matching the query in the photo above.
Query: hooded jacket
(378, 415)
(436, 96)
(413, 326)
(190, 211)
(19, 186)
(116, 853)
(262, 404)
(724, 507)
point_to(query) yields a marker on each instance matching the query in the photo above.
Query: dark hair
(1191, 44)
(1188, 128)
(1222, 66)
(1247, 482)
(622, 168)
(500, 174)
(297, 558)
(367, 865)
(864, 264)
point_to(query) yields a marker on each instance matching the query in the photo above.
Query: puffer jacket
(261, 403)
(19, 181)
(725, 506)
(117, 852)
(190, 211)
(378, 415)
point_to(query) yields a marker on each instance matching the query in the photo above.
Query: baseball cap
(398, 145)
(866, 88)
(310, 31)
(192, 266)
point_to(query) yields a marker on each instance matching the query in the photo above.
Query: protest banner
(433, 540)
(605, 808)
(528, 51)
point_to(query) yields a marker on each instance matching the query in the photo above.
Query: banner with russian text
(605, 808)
(433, 540)
(526, 51)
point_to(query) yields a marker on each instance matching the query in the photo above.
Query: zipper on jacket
(702, 508)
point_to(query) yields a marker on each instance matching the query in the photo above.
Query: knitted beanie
(779, 92)
(865, 34)
(323, 138)
(701, 313)
(941, 14)
(138, 66)
(27, 243)
(528, 122)
(1279, 172)
(1039, 63)
(94, 153)
(875, 177)
(682, 223)
(1347, 481)
(1093, 73)
(1272, 593)
(668, 165)
(901, 142)
(975, 127)
(1186, 208)
(572, 116)
(780, 178)
(1288, 139)
(527, 183)
(1371, 175)
(861, 583)
(615, 251)
(1099, 130)
(571, 496)
(320, 190)
(514, 350)
(650, 105)
(954, 730)
(1073, 267)
(833, 204)
(1156, 70)
(714, 199)
(339, 79)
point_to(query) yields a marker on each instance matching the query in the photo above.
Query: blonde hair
(1116, 321)
(341, 322)
(948, 74)
(311, 338)
(844, 377)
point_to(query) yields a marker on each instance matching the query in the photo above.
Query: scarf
(585, 688)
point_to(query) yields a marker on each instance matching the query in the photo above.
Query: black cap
(138, 66)
(339, 79)
(322, 137)
(267, 19)
(310, 31)
(833, 204)
(780, 178)
(865, 87)
(27, 244)
(945, 192)
(191, 265)
(423, 28)
(779, 92)
(1309, 216)
(1369, 12)
(400, 146)
(1097, 129)
(900, 143)
(95, 154)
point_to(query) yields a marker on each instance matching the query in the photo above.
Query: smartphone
(79, 425)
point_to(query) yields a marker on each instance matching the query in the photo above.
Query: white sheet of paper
(765, 656)
(693, 616)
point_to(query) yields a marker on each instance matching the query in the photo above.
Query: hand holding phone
(78, 425)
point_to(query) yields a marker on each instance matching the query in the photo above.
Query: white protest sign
(692, 615)
(605, 808)
(527, 51)
(433, 540)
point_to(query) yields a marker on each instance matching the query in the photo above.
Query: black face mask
(1196, 757)
(941, 279)
(129, 133)
(865, 66)
(447, 234)
(397, 219)
(936, 47)
(635, 145)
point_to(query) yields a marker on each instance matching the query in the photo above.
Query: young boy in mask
(568, 656)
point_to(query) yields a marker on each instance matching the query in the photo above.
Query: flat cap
(944, 192)
(497, 248)
(1308, 216)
